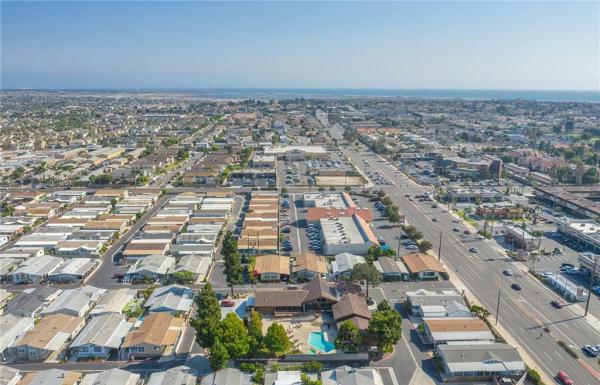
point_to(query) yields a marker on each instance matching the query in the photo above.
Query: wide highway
(523, 314)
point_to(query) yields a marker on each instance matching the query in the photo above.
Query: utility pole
(498, 306)
(440, 247)
(587, 305)
(365, 176)
(498, 285)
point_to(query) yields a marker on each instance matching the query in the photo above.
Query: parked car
(507, 272)
(434, 219)
(473, 249)
(516, 286)
(227, 303)
(564, 378)
(566, 266)
(590, 350)
(455, 229)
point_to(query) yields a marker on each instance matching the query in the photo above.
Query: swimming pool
(317, 340)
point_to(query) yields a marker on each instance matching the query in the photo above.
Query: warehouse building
(346, 235)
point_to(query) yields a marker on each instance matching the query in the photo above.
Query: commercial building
(479, 362)
(423, 266)
(336, 200)
(430, 304)
(468, 168)
(585, 232)
(461, 194)
(446, 330)
(581, 200)
(296, 152)
(346, 235)
(566, 288)
(519, 238)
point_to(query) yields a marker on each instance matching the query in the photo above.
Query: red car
(227, 303)
(564, 378)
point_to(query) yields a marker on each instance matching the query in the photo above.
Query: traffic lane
(474, 272)
(104, 273)
(473, 277)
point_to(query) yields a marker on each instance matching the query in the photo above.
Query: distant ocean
(349, 93)
(322, 93)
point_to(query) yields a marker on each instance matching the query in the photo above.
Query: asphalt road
(102, 276)
(524, 313)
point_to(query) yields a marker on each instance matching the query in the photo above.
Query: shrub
(249, 367)
(312, 367)
(568, 349)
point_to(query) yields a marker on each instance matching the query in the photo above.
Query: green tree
(349, 338)
(394, 217)
(218, 355)
(425, 246)
(384, 306)
(255, 331)
(277, 341)
(208, 317)
(184, 277)
(307, 381)
(366, 272)
(385, 327)
(233, 263)
(233, 335)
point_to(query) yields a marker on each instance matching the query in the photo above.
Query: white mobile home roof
(110, 377)
(108, 330)
(114, 301)
(38, 266)
(74, 266)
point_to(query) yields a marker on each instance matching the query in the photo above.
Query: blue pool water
(317, 340)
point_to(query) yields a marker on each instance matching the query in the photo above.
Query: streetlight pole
(498, 306)
(587, 305)
(440, 248)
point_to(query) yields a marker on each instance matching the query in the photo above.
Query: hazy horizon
(532, 46)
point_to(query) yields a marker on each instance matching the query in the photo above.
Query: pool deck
(300, 326)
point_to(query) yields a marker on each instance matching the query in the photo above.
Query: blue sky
(470, 45)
